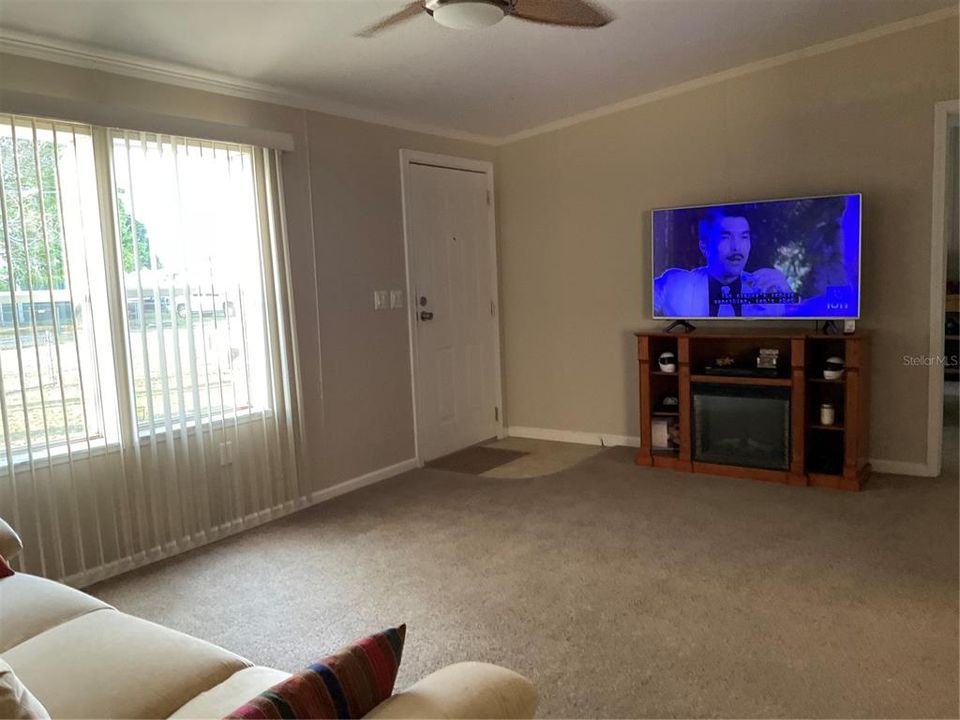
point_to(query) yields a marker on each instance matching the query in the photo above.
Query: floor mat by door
(475, 460)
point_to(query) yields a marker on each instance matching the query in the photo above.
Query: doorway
(944, 293)
(951, 328)
(450, 245)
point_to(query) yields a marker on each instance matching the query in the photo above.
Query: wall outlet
(396, 299)
(379, 299)
(226, 453)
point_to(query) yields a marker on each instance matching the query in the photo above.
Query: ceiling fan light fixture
(468, 14)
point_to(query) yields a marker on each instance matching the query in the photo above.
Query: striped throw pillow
(348, 684)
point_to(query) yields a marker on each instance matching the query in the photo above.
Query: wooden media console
(771, 421)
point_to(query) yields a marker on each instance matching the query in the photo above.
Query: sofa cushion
(106, 664)
(16, 702)
(347, 684)
(222, 699)
(10, 543)
(30, 605)
(463, 690)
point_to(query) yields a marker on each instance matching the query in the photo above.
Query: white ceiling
(492, 82)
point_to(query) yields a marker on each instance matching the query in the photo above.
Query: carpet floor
(621, 591)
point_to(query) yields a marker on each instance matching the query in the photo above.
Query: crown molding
(79, 55)
(739, 71)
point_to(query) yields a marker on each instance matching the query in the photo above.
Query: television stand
(683, 325)
(808, 452)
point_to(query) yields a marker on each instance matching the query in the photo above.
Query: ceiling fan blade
(409, 12)
(569, 13)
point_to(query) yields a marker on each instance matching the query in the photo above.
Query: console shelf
(833, 456)
(741, 380)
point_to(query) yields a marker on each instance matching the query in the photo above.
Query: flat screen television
(797, 258)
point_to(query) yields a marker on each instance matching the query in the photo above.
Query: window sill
(61, 454)
(219, 422)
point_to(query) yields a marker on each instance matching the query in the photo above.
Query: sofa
(82, 658)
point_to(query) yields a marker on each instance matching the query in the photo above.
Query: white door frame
(408, 157)
(945, 116)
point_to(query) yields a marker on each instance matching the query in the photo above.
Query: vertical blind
(148, 383)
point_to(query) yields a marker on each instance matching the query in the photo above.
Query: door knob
(426, 315)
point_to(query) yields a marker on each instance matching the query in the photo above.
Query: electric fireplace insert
(742, 425)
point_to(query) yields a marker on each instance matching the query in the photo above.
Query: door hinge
(496, 414)
(488, 197)
(493, 309)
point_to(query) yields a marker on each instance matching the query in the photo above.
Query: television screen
(796, 258)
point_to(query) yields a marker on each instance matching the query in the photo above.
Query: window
(132, 291)
(191, 277)
(51, 288)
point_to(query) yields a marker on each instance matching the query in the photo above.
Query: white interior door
(452, 301)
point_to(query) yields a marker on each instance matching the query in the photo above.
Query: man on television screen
(722, 287)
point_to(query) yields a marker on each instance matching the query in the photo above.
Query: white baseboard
(573, 436)
(888, 467)
(170, 549)
(362, 481)
(117, 567)
(898, 467)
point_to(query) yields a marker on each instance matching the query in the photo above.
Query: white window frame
(114, 395)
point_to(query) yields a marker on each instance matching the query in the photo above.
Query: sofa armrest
(10, 543)
(464, 690)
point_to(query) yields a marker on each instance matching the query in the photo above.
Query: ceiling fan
(473, 14)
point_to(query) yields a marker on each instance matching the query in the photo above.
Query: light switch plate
(379, 299)
(396, 299)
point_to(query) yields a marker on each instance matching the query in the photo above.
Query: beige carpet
(623, 592)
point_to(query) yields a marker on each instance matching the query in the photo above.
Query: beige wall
(358, 218)
(574, 221)
(359, 419)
